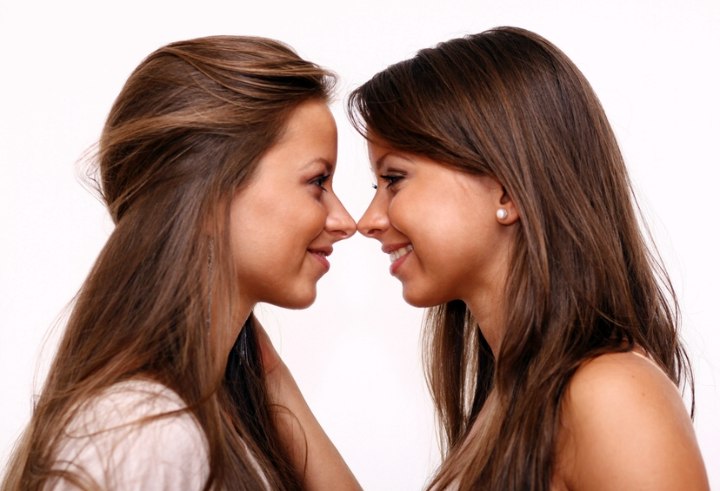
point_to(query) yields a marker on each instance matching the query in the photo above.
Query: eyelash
(320, 180)
(391, 179)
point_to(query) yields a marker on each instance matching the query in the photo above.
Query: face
(439, 227)
(285, 222)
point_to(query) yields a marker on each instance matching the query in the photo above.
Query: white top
(111, 440)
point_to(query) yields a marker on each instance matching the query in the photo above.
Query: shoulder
(134, 433)
(624, 425)
(135, 407)
(130, 399)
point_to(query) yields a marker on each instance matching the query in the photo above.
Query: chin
(419, 300)
(299, 301)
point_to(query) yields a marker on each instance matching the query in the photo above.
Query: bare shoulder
(624, 425)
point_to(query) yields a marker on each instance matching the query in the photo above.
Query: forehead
(310, 134)
(381, 154)
(310, 123)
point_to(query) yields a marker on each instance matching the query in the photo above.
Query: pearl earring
(501, 214)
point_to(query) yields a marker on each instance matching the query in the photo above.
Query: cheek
(291, 230)
(403, 214)
(312, 218)
(422, 216)
(295, 215)
(258, 234)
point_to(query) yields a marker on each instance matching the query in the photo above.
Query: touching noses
(339, 223)
(375, 218)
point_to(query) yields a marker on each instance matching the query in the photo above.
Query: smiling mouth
(398, 253)
(321, 255)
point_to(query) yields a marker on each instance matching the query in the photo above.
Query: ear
(507, 212)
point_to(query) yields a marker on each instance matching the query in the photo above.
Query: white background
(355, 353)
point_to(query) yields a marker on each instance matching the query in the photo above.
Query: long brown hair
(581, 281)
(183, 136)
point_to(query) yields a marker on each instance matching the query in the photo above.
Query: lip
(399, 261)
(321, 254)
(387, 249)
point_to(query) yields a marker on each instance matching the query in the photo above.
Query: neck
(226, 326)
(487, 308)
(489, 326)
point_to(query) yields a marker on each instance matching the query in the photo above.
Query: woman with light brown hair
(553, 354)
(216, 165)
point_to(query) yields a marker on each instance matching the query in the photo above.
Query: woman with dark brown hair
(216, 165)
(553, 355)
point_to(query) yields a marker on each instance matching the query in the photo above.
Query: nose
(339, 223)
(375, 220)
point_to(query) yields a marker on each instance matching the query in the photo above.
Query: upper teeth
(398, 253)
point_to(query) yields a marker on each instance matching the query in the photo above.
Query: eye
(391, 179)
(319, 181)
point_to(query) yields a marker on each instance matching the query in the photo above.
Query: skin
(283, 227)
(313, 454)
(624, 426)
(285, 222)
(461, 250)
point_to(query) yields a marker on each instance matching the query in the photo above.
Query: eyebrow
(329, 167)
(380, 163)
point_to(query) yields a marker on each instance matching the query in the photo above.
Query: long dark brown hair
(581, 282)
(182, 138)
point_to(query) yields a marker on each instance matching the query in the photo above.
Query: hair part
(509, 104)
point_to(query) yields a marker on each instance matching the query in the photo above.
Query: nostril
(348, 232)
(370, 226)
(364, 227)
(368, 231)
(351, 229)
